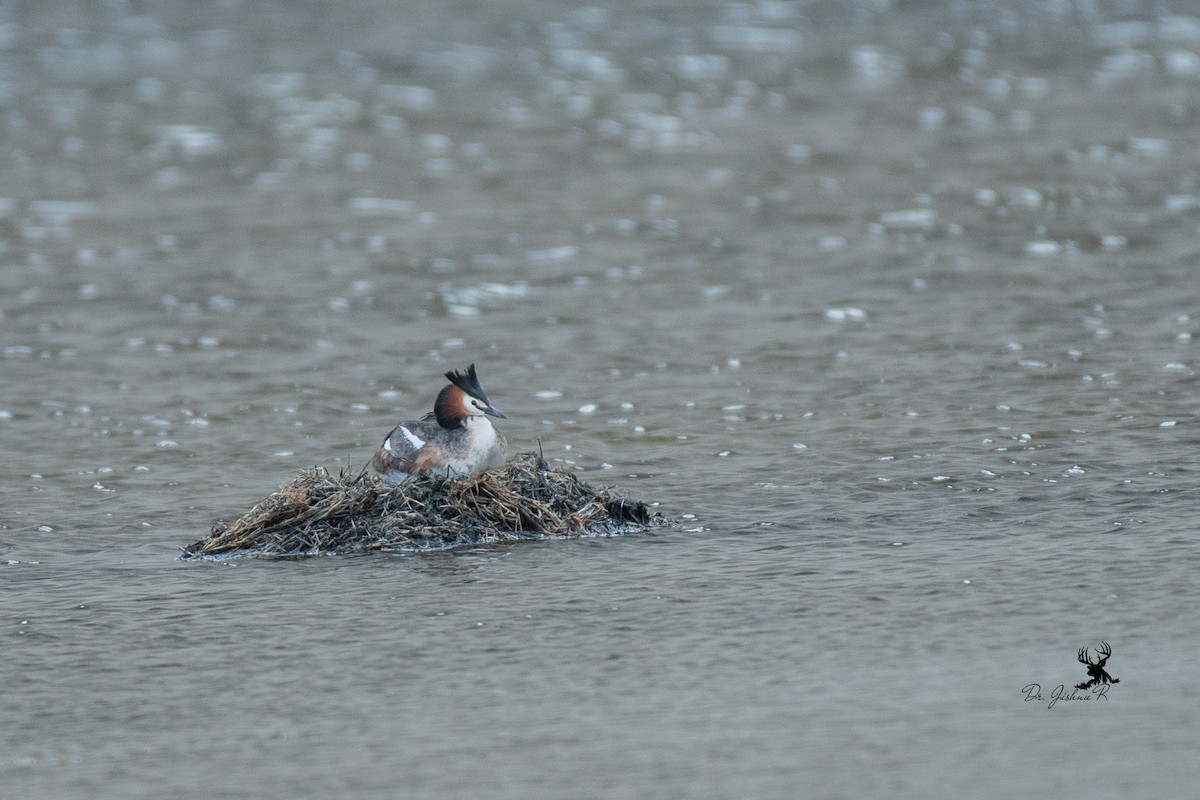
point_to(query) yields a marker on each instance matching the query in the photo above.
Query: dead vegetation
(321, 513)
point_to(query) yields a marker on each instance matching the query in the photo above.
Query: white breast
(482, 448)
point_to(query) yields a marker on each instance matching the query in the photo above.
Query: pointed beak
(495, 412)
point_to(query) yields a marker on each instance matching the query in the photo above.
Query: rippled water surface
(893, 309)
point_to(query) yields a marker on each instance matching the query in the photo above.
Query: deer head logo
(1096, 671)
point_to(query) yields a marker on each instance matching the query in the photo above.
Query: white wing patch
(416, 441)
(387, 444)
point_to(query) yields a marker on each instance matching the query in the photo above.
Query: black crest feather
(467, 381)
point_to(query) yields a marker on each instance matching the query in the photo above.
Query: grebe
(456, 437)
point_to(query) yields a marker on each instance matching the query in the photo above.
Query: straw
(319, 513)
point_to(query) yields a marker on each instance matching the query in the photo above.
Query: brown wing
(427, 458)
(402, 450)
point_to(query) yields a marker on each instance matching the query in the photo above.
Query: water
(892, 308)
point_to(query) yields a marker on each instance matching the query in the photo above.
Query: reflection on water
(894, 303)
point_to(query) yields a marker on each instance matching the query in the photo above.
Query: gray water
(892, 309)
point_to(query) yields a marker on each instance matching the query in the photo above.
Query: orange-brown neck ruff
(448, 408)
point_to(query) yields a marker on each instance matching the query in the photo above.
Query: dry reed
(524, 499)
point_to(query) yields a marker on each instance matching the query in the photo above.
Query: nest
(525, 499)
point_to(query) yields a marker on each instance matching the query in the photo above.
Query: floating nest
(524, 499)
